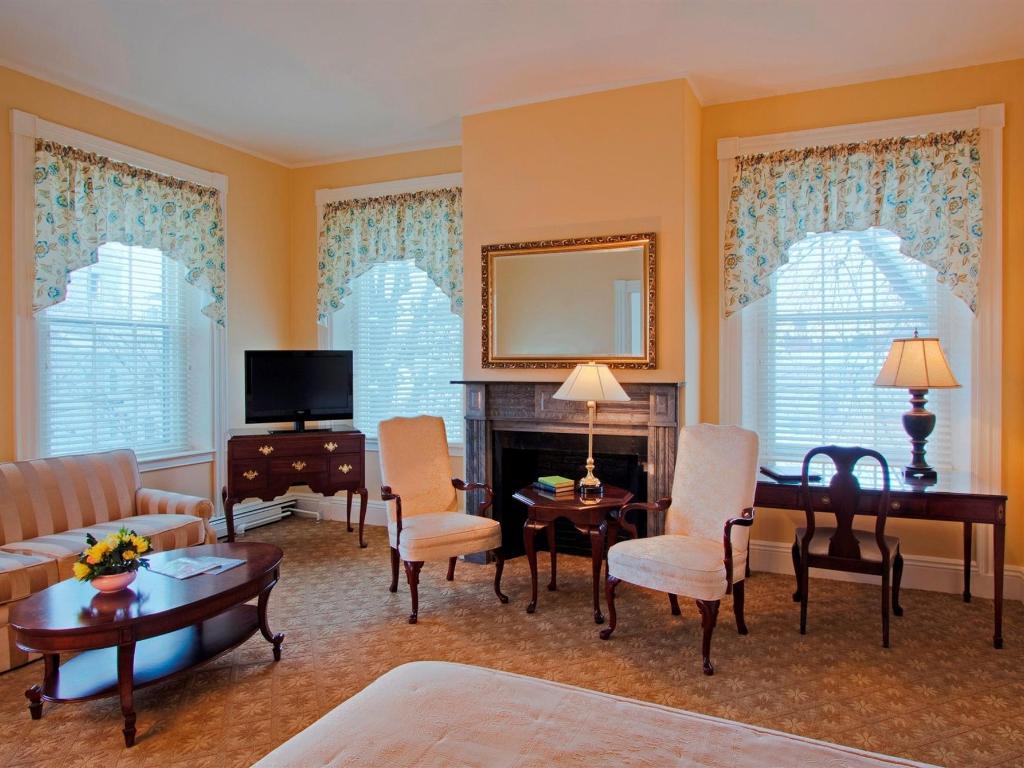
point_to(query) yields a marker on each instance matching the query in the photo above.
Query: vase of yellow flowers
(110, 564)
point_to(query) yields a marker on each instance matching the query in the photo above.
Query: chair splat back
(844, 499)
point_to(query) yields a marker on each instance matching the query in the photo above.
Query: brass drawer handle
(895, 506)
(266, 450)
(298, 466)
(330, 447)
(826, 500)
(346, 468)
(250, 474)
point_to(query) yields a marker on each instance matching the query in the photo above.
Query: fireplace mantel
(528, 406)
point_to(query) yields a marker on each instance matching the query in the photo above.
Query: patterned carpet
(940, 695)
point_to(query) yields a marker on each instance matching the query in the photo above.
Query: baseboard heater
(253, 514)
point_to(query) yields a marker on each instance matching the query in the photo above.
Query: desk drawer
(346, 466)
(297, 466)
(248, 475)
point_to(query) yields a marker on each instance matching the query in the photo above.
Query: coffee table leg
(553, 584)
(126, 689)
(596, 558)
(276, 639)
(35, 701)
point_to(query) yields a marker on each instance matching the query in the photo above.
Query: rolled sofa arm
(149, 501)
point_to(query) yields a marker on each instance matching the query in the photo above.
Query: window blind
(813, 348)
(407, 348)
(113, 357)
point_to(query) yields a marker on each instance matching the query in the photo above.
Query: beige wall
(900, 97)
(257, 237)
(600, 164)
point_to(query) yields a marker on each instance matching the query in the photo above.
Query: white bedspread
(433, 713)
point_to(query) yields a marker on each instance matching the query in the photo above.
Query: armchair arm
(661, 505)
(149, 501)
(746, 519)
(387, 495)
(459, 485)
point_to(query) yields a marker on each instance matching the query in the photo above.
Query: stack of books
(555, 484)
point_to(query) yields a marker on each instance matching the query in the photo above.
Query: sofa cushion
(164, 531)
(444, 534)
(47, 496)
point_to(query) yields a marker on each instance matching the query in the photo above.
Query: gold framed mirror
(556, 303)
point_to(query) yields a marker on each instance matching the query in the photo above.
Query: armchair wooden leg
(708, 618)
(897, 577)
(412, 573)
(451, 568)
(673, 600)
(499, 568)
(796, 570)
(609, 595)
(394, 571)
(737, 606)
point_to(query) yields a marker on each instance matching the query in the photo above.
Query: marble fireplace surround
(526, 406)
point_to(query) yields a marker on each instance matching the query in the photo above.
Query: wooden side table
(588, 517)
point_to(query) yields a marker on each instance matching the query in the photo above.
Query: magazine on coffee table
(186, 567)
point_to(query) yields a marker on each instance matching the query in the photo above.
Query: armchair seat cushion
(681, 565)
(441, 535)
(164, 531)
(868, 546)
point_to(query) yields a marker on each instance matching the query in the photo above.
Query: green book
(554, 480)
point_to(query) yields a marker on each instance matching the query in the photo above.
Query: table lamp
(917, 364)
(591, 383)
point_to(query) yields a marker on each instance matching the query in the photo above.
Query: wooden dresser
(266, 466)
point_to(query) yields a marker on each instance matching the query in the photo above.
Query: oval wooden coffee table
(158, 627)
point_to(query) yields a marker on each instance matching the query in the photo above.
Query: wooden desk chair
(844, 548)
(424, 521)
(700, 555)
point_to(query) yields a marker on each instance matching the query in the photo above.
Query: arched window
(813, 347)
(125, 360)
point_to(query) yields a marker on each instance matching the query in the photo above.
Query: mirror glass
(570, 303)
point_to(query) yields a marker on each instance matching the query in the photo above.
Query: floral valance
(926, 189)
(355, 235)
(84, 200)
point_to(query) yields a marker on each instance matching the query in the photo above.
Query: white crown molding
(397, 187)
(141, 110)
(987, 116)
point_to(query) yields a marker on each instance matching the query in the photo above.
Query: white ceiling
(312, 80)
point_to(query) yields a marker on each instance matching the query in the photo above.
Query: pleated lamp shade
(591, 381)
(916, 363)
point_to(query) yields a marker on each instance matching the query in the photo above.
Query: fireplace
(522, 457)
(516, 431)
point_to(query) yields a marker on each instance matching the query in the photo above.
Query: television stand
(266, 466)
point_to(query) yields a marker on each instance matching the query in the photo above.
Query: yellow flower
(81, 571)
(140, 543)
(110, 541)
(128, 554)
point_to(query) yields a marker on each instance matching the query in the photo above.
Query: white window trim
(25, 129)
(325, 333)
(986, 395)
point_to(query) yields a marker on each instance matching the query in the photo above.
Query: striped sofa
(48, 505)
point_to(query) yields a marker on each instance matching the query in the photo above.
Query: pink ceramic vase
(114, 582)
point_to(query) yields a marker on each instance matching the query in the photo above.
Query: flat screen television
(298, 386)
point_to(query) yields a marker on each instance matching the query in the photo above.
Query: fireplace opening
(521, 457)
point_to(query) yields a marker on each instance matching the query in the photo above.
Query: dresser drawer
(346, 466)
(252, 449)
(250, 474)
(296, 466)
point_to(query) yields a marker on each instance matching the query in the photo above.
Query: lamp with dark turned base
(919, 423)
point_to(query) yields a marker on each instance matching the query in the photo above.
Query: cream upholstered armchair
(703, 552)
(424, 521)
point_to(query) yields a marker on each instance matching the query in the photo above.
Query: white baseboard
(333, 508)
(936, 574)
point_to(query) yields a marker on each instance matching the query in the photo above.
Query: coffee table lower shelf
(93, 674)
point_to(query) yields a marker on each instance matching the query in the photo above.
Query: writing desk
(953, 498)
